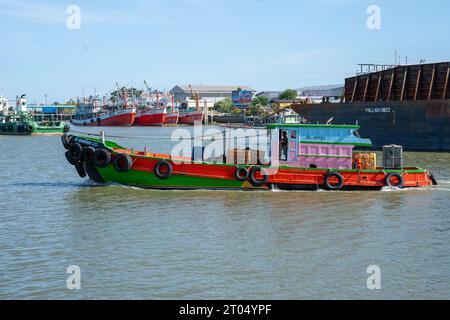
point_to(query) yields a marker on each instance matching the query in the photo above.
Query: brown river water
(141, 244)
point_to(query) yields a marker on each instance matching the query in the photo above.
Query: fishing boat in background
(190, 115)
(172, 117)
(298, 157)
(97, 112)
(155, 110)
(91, 116)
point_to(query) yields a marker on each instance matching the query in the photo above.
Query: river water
(142, 244)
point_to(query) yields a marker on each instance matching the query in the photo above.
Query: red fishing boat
(298, 157)
(156, 110)
(172, 118)
(190, 117)
(150, 117)
(91, 116)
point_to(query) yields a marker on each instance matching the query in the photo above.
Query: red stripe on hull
(150, 120)
(191, 118)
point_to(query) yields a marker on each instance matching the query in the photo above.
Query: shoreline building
(209, 94)
(321, 94)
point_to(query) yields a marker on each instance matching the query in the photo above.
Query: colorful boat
(18, 121)
(155, 117)
(172, 118)
(191, 116)
(91, 116)
(150, 117)
(23, 124)
(310, 157)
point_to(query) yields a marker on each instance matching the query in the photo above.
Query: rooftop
(209, 88)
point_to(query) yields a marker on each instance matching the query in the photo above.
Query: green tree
(260, 101)
(255, 108)
(289, 94)
(128, 92)
(224, 106)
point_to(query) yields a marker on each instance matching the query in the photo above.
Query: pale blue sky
(267, 44)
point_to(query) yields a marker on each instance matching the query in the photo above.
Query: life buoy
(89, 154)
(167, 173)
(80, 169)
(123, 162)
(331, 186)
(75, 152)
(241, 174)
(388, 180)
(102, 158)
(29, 128)
(252, 177)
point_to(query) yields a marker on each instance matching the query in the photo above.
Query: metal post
(102, 133)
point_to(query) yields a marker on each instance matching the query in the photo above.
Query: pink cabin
(316, 146)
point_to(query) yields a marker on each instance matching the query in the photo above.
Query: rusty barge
(406, 105)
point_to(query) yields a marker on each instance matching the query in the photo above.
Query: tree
(260, 101)
(224, 106)
(289, 94)
(128, 92)
(255, 108)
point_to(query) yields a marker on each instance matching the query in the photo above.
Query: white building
(209, 95)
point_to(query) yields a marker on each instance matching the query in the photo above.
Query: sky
(265, 44)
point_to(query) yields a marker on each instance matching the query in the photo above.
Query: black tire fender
(67, 154)
(89, 154)
(102, 158)
(336, 175)
(241, 174)
(81, 170)
(388, 183)
(433, 179)
(75, 152)
(161, 175)
(92, 173)
(66, 140)
(252, 176)
(123, 162)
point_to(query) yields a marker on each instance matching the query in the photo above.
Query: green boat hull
(148, 180)
(26, 126)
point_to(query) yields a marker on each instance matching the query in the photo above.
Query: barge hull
(419, 125)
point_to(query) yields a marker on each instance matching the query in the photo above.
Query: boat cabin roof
(322, 134)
